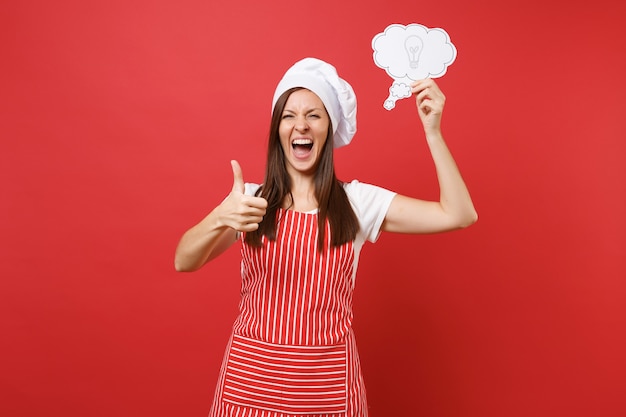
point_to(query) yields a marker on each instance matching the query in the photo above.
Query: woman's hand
(218, 230)
(238, 211)
(430, 102)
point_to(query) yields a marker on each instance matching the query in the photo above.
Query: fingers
(247, 223)
(427, 88)
(419, 85)
(428, 96)
(249, 227)
(247, 204)
(248, 213)
(238, 184)
(252, 206)
(242, 212)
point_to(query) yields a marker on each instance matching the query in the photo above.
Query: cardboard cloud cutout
(410, 53)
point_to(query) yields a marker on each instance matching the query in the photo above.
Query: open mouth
(302, 146)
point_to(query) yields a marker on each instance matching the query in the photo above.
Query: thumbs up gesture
(239, 211)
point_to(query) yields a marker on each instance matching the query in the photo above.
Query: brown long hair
(333, 202)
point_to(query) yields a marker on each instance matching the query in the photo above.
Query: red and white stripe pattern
(286, 379)
(355, 400)
(292, 352)
(291, 293)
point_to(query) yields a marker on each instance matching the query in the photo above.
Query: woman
(292, 351)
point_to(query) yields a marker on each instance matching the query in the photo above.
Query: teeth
(302, 142)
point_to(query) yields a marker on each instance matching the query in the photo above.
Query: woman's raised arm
(454, 209)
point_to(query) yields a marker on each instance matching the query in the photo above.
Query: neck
(303, 194)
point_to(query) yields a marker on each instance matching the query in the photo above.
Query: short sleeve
(370, 204)
(251, 188)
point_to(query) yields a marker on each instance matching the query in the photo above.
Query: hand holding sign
(410, 53)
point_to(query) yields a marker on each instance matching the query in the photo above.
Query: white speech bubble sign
(410, 53)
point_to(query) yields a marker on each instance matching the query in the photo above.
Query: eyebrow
(307, 111)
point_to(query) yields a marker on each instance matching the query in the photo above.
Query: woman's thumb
(238, 184)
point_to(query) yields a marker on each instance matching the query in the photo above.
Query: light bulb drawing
(413, 46)
(410, 53)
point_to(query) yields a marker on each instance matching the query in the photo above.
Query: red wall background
(118, 121)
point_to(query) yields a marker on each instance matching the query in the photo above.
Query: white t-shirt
(370, 204)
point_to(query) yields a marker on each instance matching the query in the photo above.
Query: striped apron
(292, 351)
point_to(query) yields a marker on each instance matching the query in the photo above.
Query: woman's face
(303, 129)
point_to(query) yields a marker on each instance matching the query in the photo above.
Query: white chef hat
(336, 94)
